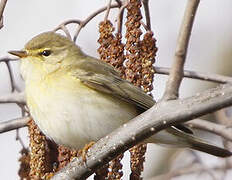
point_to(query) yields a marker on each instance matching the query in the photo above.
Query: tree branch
(218, 129)
(119, 2)
(62, 26)
(86, 21)
(159, 117)
(176, 74)
(2, 7)
(13, 124)
(120, 16)
(7, 59)
(82, 23)
(18, 98)
(147, 14)
(190, 170)
(108, 10)
(197, 75)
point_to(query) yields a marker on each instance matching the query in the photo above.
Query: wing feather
(102, 77)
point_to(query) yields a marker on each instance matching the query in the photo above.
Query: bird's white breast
(72, 114)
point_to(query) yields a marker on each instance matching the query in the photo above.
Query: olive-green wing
(102, 77)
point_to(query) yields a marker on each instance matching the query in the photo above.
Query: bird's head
(46, 53)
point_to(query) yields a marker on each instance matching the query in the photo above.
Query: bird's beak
(20, 54)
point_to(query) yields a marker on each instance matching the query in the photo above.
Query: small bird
(76, 99)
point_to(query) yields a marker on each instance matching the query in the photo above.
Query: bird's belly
(75, 115)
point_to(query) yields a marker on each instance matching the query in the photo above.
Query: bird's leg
(84, 151)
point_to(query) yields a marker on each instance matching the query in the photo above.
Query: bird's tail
(177, 138)
(203, 146)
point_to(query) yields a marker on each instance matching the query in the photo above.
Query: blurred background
(209, 51)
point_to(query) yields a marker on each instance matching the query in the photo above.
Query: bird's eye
(46, 53)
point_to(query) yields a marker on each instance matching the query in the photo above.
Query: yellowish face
(44, 54)
(37, 63)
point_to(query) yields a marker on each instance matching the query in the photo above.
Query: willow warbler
(76, 99)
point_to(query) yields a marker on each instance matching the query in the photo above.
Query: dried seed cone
(38, 166)
(24, 167)
(111, 51)
(148, 53)
(137, 160)
(139, 70)
(65, 156)
(116, 52)
(133, 33)
(115, 168)
(106, 29)
(101, 174)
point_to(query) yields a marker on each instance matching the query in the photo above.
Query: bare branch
(18, 138)
(119, 2)
(86, 21)
(13, 124)
(198, 75)
(2, 7)
(66, 31)
(190, 170)
(62, 26)
(120, 16)
(224, 118)
(107, 10)
(1, 23)
(11, 76)
(160, 116)
(18, 98)
(176, 74)
(82, 23)
(71, 21)
(12, 82)
(7, 59)
(147, 14)
(144, 25)
(218, 129)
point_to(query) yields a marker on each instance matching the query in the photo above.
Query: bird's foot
(84, 151)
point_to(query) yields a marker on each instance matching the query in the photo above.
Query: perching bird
(76, 99)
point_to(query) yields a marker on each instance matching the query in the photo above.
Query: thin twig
(18, 138)
(2, 7)
(198, 75)
(6, 126)
(86, 21)
(144, 25)
(66, 31)
(23, 113)
(70, 21)
(176, 74)
(147, 13)
(108, 10)
(120, 16)
(218, 129)
(119, 2)
(189, 170)
(224, 118)
(18, 98)
(162, 115)
(63, 27)
(1, 23)
(7, 59)
(12, 82)
(82, 23)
